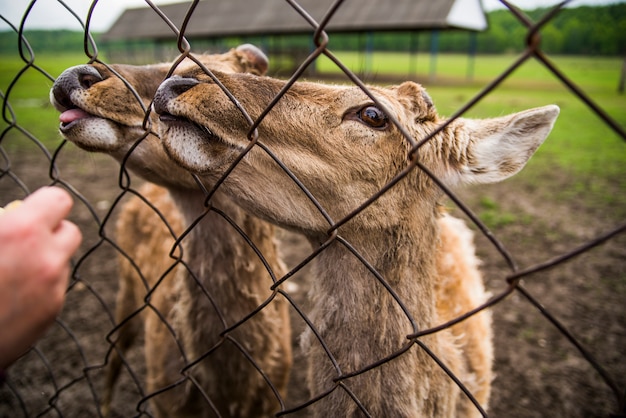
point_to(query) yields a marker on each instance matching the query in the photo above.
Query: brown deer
(344, 147)
(101, 113)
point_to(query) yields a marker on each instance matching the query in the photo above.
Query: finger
(49, 205)
(67, 238)
(60, 289)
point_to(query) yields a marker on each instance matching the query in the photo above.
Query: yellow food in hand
(10, 206)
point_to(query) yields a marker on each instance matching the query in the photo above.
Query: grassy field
(581, 145)
(580, 139)
(28, 91)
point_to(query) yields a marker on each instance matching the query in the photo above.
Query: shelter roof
(223, 18)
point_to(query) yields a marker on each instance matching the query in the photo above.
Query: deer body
(343, 148)
(101, 114)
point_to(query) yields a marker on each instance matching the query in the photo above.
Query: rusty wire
(87, 373)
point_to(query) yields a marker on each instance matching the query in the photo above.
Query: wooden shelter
(243, 19)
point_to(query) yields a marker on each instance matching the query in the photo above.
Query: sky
(51, 14)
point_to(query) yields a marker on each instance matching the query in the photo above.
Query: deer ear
(253, 59)
(499, 148)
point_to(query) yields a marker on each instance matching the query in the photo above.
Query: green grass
(27, 90)
(493, 215)
(581, 146)
(601, 71)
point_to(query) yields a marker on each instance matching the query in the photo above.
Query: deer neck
(362, 323)
(213, 249)
(403, 257)
(214, 254)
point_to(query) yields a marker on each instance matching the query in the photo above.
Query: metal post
(413, 51)
(434, 48)
(369, 51)
(622, 79)
(471, 59)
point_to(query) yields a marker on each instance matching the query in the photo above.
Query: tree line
(585, 30)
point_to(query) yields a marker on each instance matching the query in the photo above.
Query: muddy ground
(539, 373)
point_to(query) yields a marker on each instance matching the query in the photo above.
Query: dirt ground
(539, 373)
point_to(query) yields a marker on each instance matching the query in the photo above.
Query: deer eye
(373, 117)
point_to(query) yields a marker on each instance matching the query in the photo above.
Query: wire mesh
(548, 348)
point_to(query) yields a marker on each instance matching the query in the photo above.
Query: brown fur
(328, 137)
(215, 254)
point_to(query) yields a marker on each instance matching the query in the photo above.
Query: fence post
(434, 49)
(413, 51)
(471, 57)
(622, 78)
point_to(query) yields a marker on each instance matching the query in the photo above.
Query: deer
(367, 353)
(103, 109)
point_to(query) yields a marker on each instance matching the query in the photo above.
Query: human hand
(36, 244)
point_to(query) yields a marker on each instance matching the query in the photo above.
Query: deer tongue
(71, 115)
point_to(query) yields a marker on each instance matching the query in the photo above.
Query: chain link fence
(559, 338)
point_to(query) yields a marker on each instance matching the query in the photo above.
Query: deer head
(103, 108)
(340, 144)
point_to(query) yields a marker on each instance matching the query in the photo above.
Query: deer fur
(101, 114)
(343, 148)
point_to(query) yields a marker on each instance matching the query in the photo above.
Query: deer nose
(171, 89)
(79, 77)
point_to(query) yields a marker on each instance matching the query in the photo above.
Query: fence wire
(547, 358)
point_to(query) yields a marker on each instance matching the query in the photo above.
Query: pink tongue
(72, 115)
